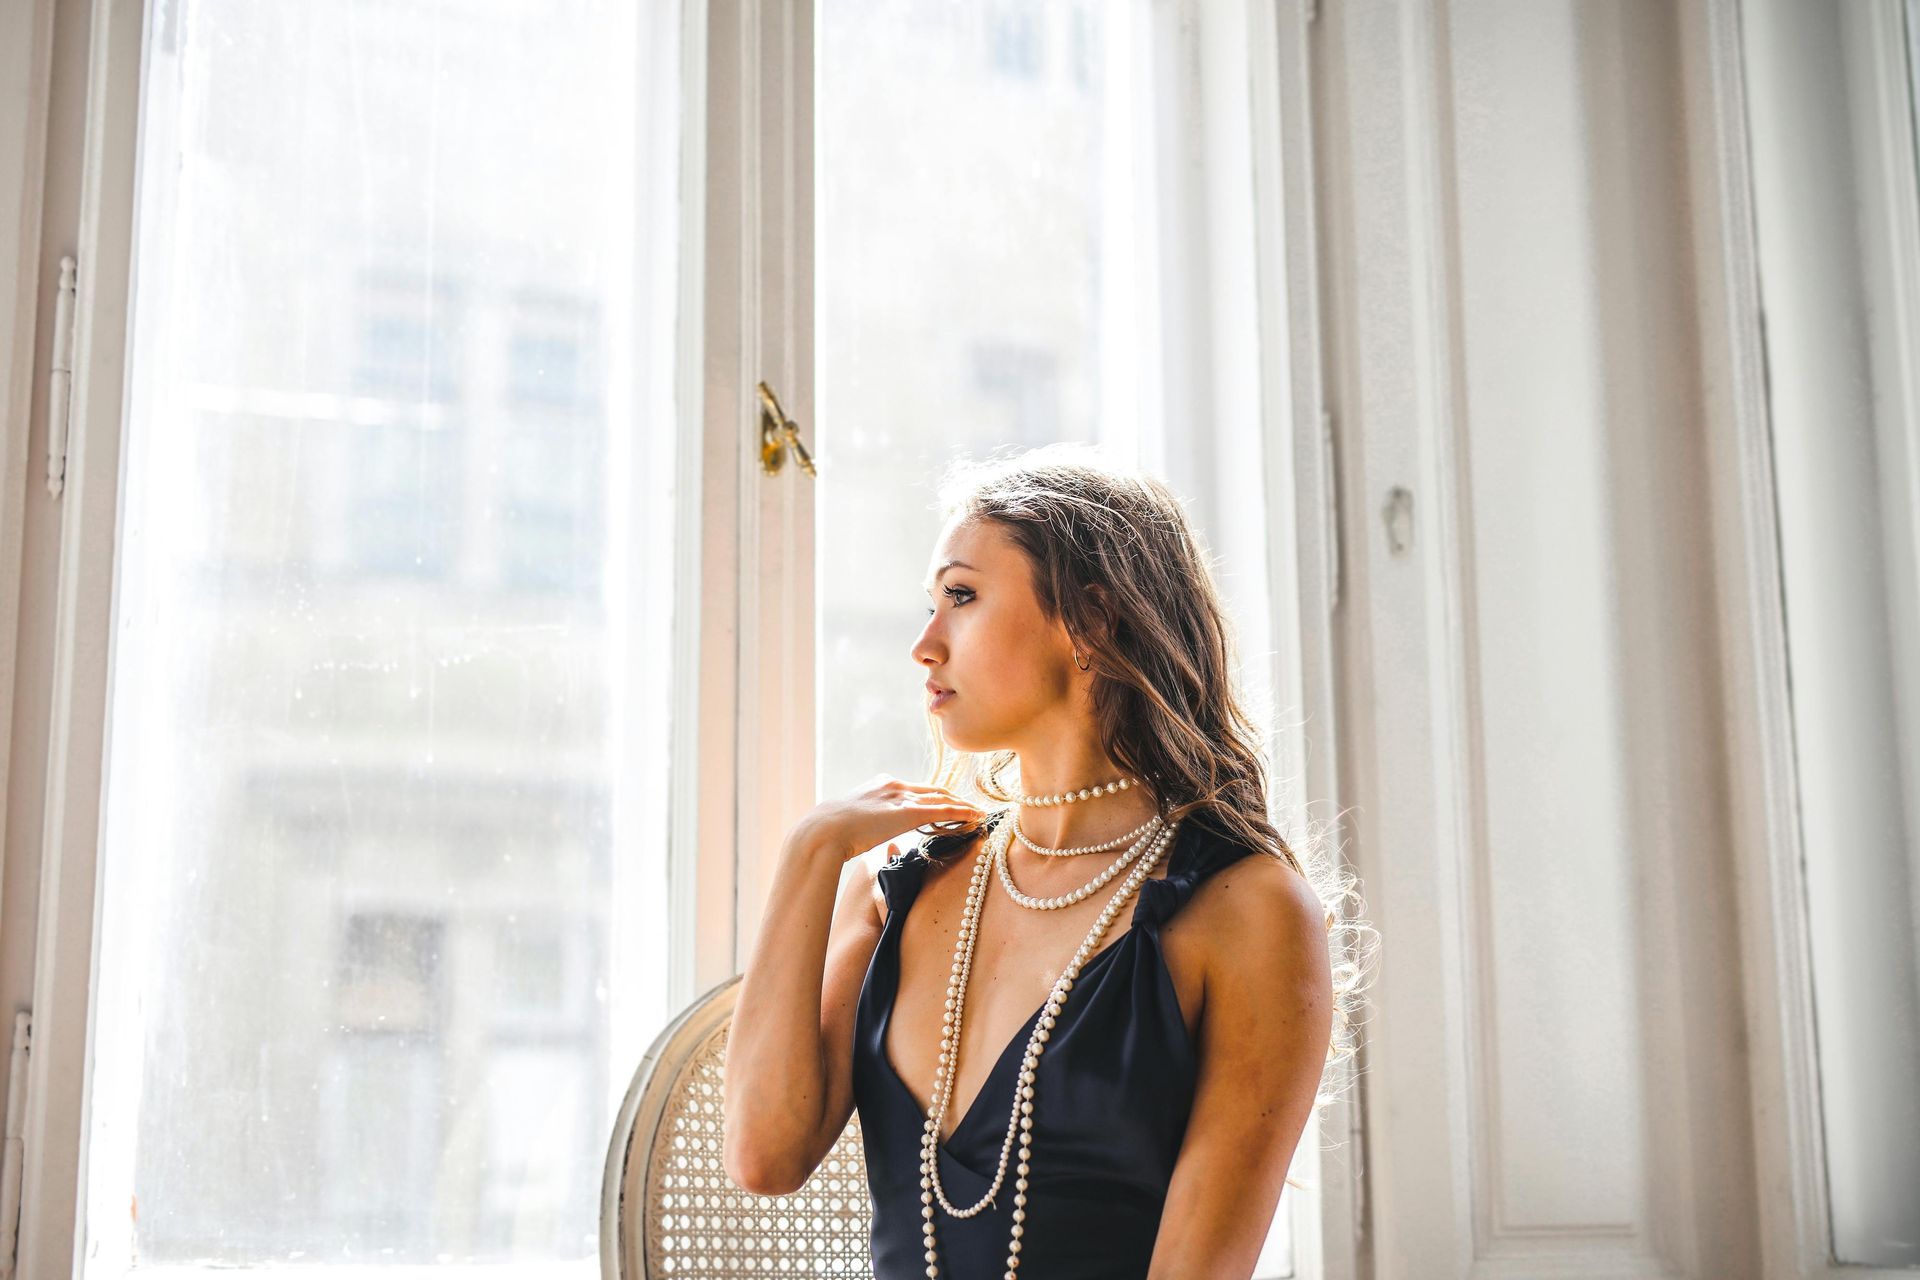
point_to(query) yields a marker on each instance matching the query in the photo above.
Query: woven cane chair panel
(707, 1226)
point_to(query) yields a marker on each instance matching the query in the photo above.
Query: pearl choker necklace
(1069, 796)
(1021, 1120)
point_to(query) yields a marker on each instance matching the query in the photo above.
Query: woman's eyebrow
(951, 564)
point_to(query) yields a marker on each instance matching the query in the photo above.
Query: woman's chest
(1018, 954)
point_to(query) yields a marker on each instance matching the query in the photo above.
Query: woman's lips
(936, 696)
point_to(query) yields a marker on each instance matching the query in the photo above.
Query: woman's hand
(879, 809)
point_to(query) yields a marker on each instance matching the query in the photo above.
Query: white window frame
(1328, 1219)
(745, 684)
(65, 948)
(1795, 1213)
(757, 661)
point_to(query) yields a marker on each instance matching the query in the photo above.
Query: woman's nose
(926, 649)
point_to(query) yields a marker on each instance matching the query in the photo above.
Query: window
(945, 326)
(550, 474)
(554, 357)
(1020, 384)
(403, 499)
(1014, 46)
(387, 980)
(415, 638)
(409, 336)
(1082, 47)
(360, 1002)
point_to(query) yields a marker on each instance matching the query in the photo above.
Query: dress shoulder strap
(1199, 849)
(900, 878)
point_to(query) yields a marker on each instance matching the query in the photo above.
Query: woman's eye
(954, 594)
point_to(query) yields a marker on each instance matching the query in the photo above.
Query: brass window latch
(778, 433)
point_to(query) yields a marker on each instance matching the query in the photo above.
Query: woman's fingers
(934, 795)
(927, 789)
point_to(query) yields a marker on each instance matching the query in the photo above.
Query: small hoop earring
(1076, 661)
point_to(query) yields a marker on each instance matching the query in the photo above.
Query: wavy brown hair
(1114, 556)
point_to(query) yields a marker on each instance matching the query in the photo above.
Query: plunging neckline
(1017, 1041)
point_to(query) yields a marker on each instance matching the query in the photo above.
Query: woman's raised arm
(788, 1079)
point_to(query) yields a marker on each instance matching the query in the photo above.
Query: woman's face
(1009, 669)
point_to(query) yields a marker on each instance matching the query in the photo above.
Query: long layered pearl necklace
(1102, 847)
(1144, 855)
(1119, 864)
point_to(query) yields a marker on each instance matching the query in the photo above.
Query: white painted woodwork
(1529, 708)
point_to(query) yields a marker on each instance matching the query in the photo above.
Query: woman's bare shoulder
(1249, 899)
(865, 868)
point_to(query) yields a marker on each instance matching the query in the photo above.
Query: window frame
(53, 1166)
(1795, 1211)
(744, 554)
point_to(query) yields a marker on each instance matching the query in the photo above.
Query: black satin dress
(1112, 1095)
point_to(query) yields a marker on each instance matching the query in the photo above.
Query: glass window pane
(968, 298)
(1018, 243)
(392, 636)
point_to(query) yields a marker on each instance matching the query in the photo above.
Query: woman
(1033, 1096)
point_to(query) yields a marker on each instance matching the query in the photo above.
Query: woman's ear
(1099, 623)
